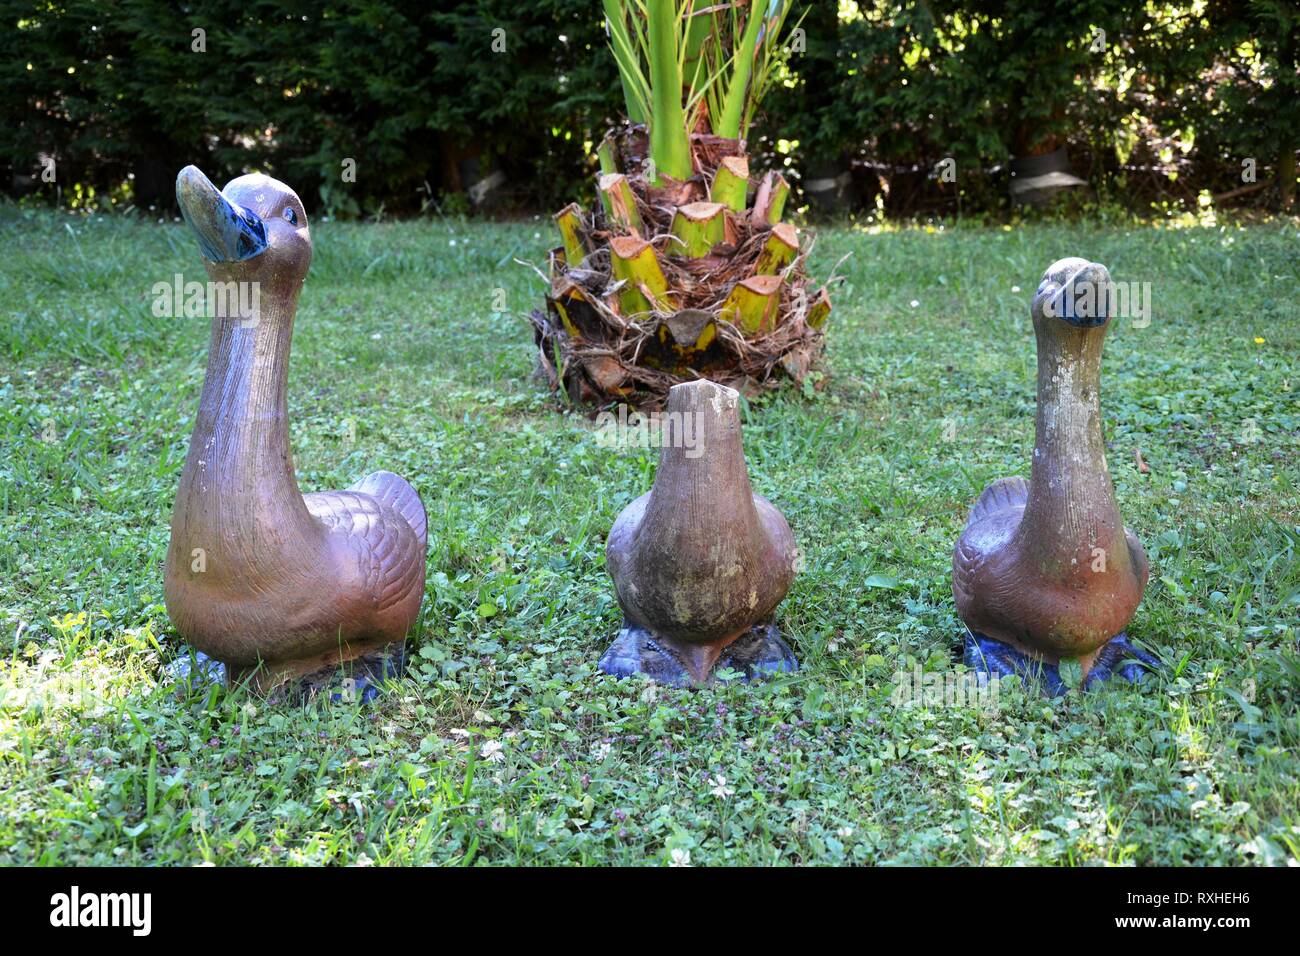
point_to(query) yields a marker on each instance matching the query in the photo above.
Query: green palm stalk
(733, 105)
(670, 149)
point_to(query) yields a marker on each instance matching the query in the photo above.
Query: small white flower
(493, 751)
(601, 751)
(720, 788)
(915, 303)
(844, 832)
(452, 242)
(499, 820)
(537, 235)
(680, 858)
(1015, 288)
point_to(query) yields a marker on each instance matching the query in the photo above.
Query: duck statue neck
(1045, 569)
(273, 584)
(700, 562)
(1071, 509)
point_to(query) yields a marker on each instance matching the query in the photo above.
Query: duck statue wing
(388, 548)
(992, 522)
(396, 492)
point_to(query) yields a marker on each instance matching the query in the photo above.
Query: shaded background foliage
(1164, 110)
(411, 91)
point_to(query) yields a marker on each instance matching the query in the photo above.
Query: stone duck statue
(700, 562)
(276, 585)
(1045, 569)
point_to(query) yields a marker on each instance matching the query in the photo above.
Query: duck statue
(700, 562)
(275, 585)
(1045, 568)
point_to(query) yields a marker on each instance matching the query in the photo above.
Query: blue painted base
(757, 654)
(1120, 658)
(356, 681)
(196, 668)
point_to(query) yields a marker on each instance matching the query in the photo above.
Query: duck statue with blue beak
(276, 585)
(1045, 569)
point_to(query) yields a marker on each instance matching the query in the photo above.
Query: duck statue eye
(290, 215)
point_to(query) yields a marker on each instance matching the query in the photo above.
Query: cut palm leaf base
(666, 281)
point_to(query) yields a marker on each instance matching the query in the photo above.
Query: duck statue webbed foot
(316, 591)
(1045, 569)
(759, 652)
(359, 680)
(700, 562)
(1119, 659)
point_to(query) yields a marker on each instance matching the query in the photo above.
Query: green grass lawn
(503, 743)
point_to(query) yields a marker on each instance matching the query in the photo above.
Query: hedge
(433, 104)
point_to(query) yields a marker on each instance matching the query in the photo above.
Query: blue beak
(1085, 300)
(226, 232)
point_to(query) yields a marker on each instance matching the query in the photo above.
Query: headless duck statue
(1045, 569)
(700, 562)
(274, 585)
